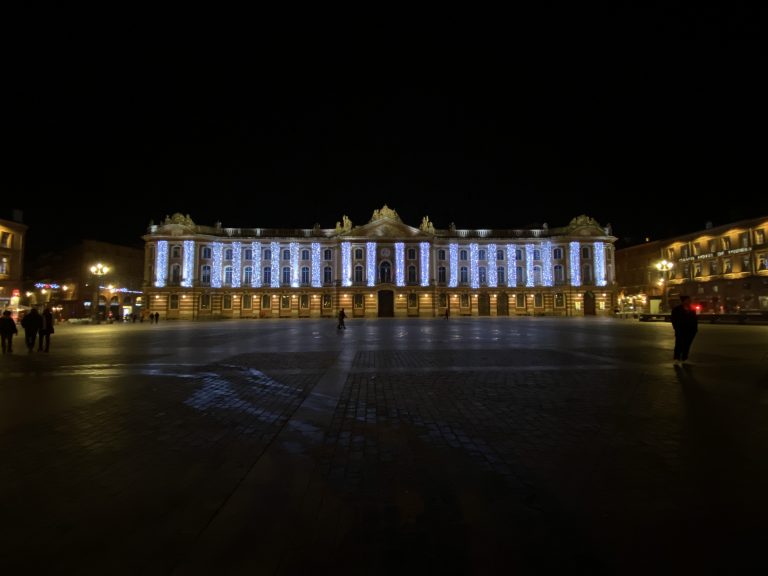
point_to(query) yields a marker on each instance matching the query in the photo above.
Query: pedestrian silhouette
(7, 330)
(686, 324)
(46, 329)
(342, 315)
(31, 323)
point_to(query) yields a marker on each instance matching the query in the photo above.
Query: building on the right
(724, 269)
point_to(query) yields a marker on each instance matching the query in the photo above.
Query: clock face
(385, 252)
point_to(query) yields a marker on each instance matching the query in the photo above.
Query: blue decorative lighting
(424, 262)
(529, 278)
(370, 262)
(294, 247)
(47, 286)
(575, 263)
(474, 281)
(399, 264)
(493, 276)
(256, 277)
(600, 264)
(161, 264)
(546, 263)
(346, 264)
(316, 278)
(188, 265)
(218, 259)
(275, 249)
(453, 262)
(237, 253)
(511, 266)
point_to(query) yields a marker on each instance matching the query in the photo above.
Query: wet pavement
(461, 446)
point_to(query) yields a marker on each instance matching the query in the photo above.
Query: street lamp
(664, 267)
(98, 270)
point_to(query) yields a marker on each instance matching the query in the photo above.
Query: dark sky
(650, 117)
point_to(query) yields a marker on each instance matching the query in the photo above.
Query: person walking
(686, 324)
(32, 322)
(7, 330)
(46, 329)
(342, 315)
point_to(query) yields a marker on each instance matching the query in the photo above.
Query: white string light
(188, 264)
(370, 262)
(399, 264)
(574, 255)
(161, 264)
(424, 262)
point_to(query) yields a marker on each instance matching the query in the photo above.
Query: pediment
(386, 228)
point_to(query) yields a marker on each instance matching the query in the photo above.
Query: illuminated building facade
(12, 236)
(384, 268)
(723, 269)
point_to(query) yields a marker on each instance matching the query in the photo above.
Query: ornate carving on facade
(585, 226)
(385, 212)
(178, 218)
(426, 226)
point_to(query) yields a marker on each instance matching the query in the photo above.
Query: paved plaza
(418, 446)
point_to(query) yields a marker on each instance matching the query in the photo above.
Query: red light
(697, 307)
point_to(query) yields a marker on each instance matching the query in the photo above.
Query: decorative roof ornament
(385, 212)
(179, 219)
(344, 226)
(585, 226)
(426, 226)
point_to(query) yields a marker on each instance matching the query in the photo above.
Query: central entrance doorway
(386, 304)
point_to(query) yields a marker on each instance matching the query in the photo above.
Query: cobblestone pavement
(467, 446)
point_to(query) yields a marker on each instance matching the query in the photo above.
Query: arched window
(176, 274)
(518, 254)
(248, 254)
(228, 275)
(385, 273)
(305, 254)
(228, 254)
(358, 253)
(481, 254)
(205, 252)
(557, 254)
(536, 254)
(358, 274)
(327, 275)
(441, 275)
(266, 274)
(481, 275)
(499, 254)
(462, 254)
(500, 275)
(411, 274)
(559, 274)
(247, 275)
(463, 275)
(537, 275)
(441, 254)
(176, 252)
(205, 274)
(286, 275)
(267, 254)
(305, 275)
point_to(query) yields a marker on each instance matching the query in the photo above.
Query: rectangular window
(443, 300)
(173, 302)
(205, 302)
(327, 254)
(538, 300)
(441, 275)
(464, 300)
(304, 301)
(726, 243)
(266, 302)
(559, 300)
(5, 240)
(247, 302)
(746, 264)
(441, 254)
(226, 302)
(327, 301)
(413, 300)
(520, 300)
(759, 237)
(285, 302)
(358, 301)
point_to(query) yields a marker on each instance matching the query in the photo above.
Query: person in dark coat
(7, 330)
(32, 322)
(686, 324)
(46, 329)
(342, 315)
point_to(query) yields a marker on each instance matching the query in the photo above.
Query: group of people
(37, 328)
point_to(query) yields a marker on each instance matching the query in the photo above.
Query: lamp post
(98, 270)
(664, 267)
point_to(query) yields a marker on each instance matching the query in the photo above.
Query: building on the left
(12, 238)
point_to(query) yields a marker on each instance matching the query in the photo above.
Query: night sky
(636, 118)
